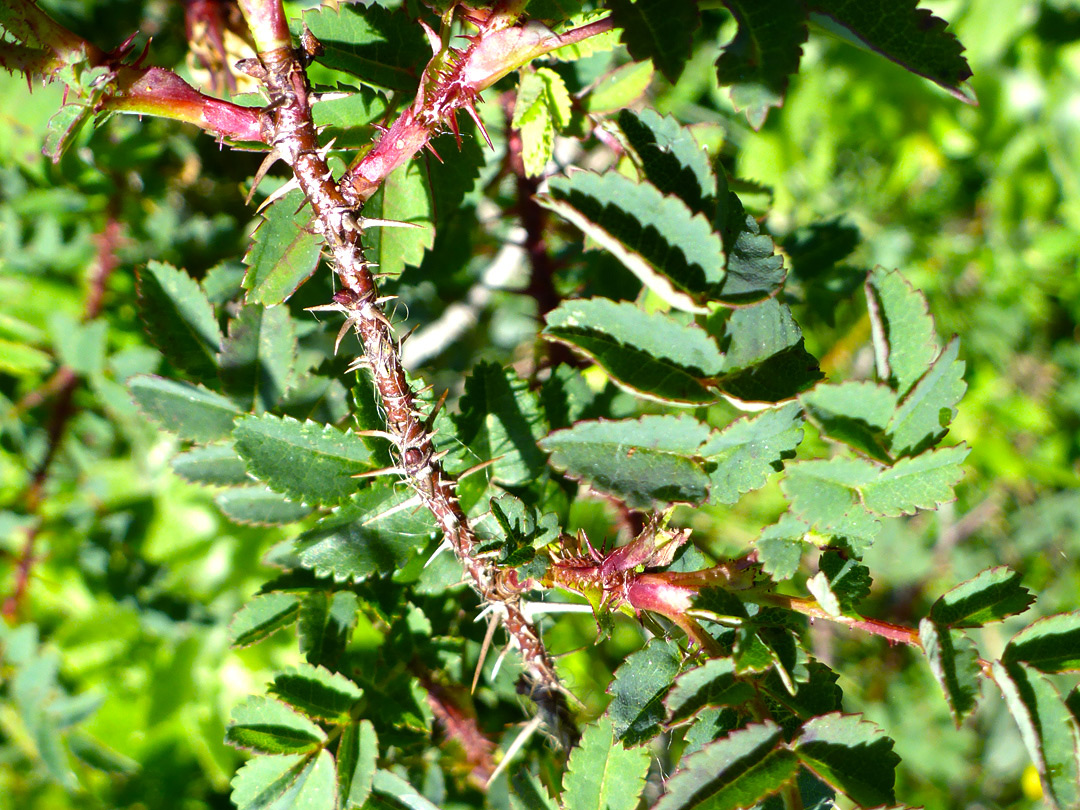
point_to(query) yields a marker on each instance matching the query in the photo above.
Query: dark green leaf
(306, 461)
(905, 343)
(259, 506)
(848, 580)
(317, 692)
(257, 357)
(284, 251)
(357, 754)
(189, 411)
(638, 691)
(660, 30)
(852, 755)
(755, 270)
(645, 461)
(713, 684)
(816, 249)
(179, 319)
(737, 771)
(650, 353)
(217, 465)
(989, 597)
(263, 616)
(855, 413)
(765, 52)
(740, 458)
(924, 415)
(602, 774)
(325, 624)
(269, 726)
(1049, 645)
(529, 793)
(954, 660)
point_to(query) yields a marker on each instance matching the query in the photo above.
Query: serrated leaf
(602, 774)
(855, 413)
(190, 411)
(284, 251)
(269, 726)
(922, 482)
(357, 755)
(390, 784)
(619, 88)
(954, 660)
(216, 465)
(905, 343)
(645, 461)
(765, 52)
(259, 506)
(325, 624)
(650, 353)
(542, 109)
(179, 318)
(660, 30)
(638, 688)
(924, 415)
(342, 119)
(64, 126)
(912, 37)
(529, 793)
(713, 684)
(500, 418)
(305, 461)
(258, 355)
(376, 532)
(264, 782)
(737, 771)
(755, 270)
(1049, 645)
(852, 755)
(1049, 730)
(404, 196)
(740, 458)
(317, 692)
(825, 494)
(263, 616)
(780, 547)
(990, 596)
(658, 238)
(671, 158)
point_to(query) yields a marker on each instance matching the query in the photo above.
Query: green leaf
(912, 37)
(264, 782)
(317, 692)
(258, 355)
(265, 725)
(780, 547)
(713, 684)
(19, 360)
(652, 354)
(262, 617)
(671, 159)
(1049, 645)
(905, 343)
(1050, 732)
(501, 419)
(326, 623)
(922, 482)
(638, 689)
(765, 52)
(855, 413)
(925, 413)
(659, 239)
(645, 461)
(216, 465)
(343, 119)
(284, 251)
(377, 532)
(357, 755)
(189, 411)
(734, 772)
(390, 784)
(852, 755)
(404, 196)
(989, 597)
(954, 660)
(848, 580)
(259, 506)
(825, 494)
(755, 270)
(740, 458)
(179, 319)
(306, 461)
(602, 774)
(64, 127)
(529, 793)
(542, 109)
(619, 88)
(661, 30)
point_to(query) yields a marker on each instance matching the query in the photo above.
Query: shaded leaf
(852, 755)
(325, 624)
(257, 356)
(284, 251)
(357, 755)
(848, 580)
(855, 413)
(740, 458)
(924, 415)
(404, 196)
(989, 597)
(905, 343)
(954, 660)
(638, 689)
(259, 506)
(660, 30)
(1049, 645)
(390, 784)
(190, 411)
(602, 774)
(269, 726)
(179, 318)
(755, 270)
(343, 119)
(316, 691)
(216, 464)
(263, 616)
(713, 684)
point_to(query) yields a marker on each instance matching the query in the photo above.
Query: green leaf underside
(376, 532)
(357, 755)
(216, 465)
(658, 238)
(989, 597)
(851, 755)
(263, 616)
(284, 251)
(542, 109)
(179, 318)
(316, 691)
(259, 506)
(924, 415)
(912, 37)
(602, 774)
(305, 461)
(269, 726)
(190, 411)
(741, 456)
(650, 353)
(734, 772)
(645, 461)
(713, 684)
(638, 689)
(765, 52)
(1049, 645)
(257, 356)
(954, 661)
(661, 30)
(905, 343)
(404, 196)
(1050, 732)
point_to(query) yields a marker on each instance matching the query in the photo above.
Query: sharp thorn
(471, 110)
(477, 468)
(493, 622)
(366, 222)
(277, 195)
(272, 157)
(377, 473)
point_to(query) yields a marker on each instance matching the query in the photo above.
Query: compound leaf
(317, 692)
(179, 318)
(740, 458)
(638, 689)
(924, 415)
(852, 755)
(263, 616)
(1049, 645)
(905, 343)
(855, 413)
(922, 482)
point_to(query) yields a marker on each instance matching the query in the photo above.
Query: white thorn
(445, 545)
(277, 195)
(515, 746)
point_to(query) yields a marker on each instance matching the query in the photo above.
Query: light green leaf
(216, 465)
(989, 597)
(660, 30)
(317, 692)
(403, 197)
(284, 251)
(652, 354)
(269, 726)
(602, 774)
(542, 109)
(257, 357)
(905, 343)
(855, 413)
(343, 119)
(741, 456)
(638, 689)
(619, 88)
(264, 782)
(179, 318)
(852, 755)
(305, 461)
(190, 411)
(357, 755)
(1049, 645)
(390, 784)
(780, 547)
(19, 360)
(263, 616)
(259, 506)
(925, 413)
(645, 461)
(922, 482)
(954, 660)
